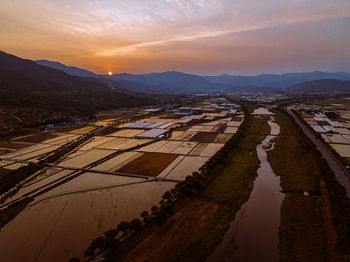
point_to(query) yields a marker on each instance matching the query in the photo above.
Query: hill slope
(321, 86)
(72, 70)
(23, 83)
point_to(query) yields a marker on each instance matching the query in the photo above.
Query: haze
(196, 36)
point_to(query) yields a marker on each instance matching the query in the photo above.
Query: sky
(206, 37)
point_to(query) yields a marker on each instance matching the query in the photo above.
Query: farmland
(106, 178)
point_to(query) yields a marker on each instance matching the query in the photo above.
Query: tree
(154, 209)
(146, 217)
(74, 259)
(90, 251)
(123, 226)
(167, 195)
(112, 233)
(135, 224)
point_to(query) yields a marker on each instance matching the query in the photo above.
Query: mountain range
(24, 83)
(178, 82)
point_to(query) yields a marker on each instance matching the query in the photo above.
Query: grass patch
(302, 233)
(293, 161)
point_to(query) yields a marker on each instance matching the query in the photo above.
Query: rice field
(211, 149)
(231, 130)
(188, 165)
(86, 158)
(198, 149)
(44, 230)
(182, 135)
(127, 132)
(148, 164)
(223, 138)
(337, 139)
(84, 130)
(342, 150)
(204, 137)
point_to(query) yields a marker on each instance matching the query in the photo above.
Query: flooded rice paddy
(62, 221)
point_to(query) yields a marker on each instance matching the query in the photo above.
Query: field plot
(337, 139)
(187, 166)
(346, 124)
(342, 150)
(87, 158)
(118, 161)
(48, 227)
(198, 149)
(31, 153)
(168, 147)
(207, 129)
(161, 120)
(129, 144)
(172, 166)
(84, 130)
(231, 130)
(195, 128)
(61, 139)
(204, 137)
(148, 164)
(212, 123)
(127, 132)
(114, 142)
(182, 135)
(343, 131)
(222, 138)
(347, 137)
(184, 148)
(326, 138)
(96, 141)
(211, 149)
(22, 152)
(153, 147)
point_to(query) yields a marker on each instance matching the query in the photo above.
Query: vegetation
(304, 228)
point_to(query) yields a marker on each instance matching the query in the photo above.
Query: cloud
(140, 35)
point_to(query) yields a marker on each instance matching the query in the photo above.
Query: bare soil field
(198, 149)
(222, 138)
(12, 145)
(37, 138)
(204, 137)
(149, 164)
(179, 230)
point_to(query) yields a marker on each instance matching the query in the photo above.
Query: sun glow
(110, 73)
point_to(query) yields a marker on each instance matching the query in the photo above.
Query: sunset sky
(195, 36)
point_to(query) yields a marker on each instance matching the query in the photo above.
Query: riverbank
(306, 230)
(264, 206)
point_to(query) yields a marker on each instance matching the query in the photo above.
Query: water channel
(253, 234)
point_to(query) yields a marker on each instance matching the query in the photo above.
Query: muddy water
(59, 228)
(253, 234)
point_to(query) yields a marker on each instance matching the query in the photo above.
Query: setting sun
(110, 73)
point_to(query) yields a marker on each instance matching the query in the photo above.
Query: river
(253, 234)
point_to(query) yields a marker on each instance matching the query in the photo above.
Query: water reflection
(253, 234)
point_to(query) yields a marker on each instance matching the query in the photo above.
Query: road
(341, 173)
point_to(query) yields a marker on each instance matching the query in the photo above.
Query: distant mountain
(278, 81)
(24, 83)
(178, 82)
(72, 70)
(321, 86)
(171, 82)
